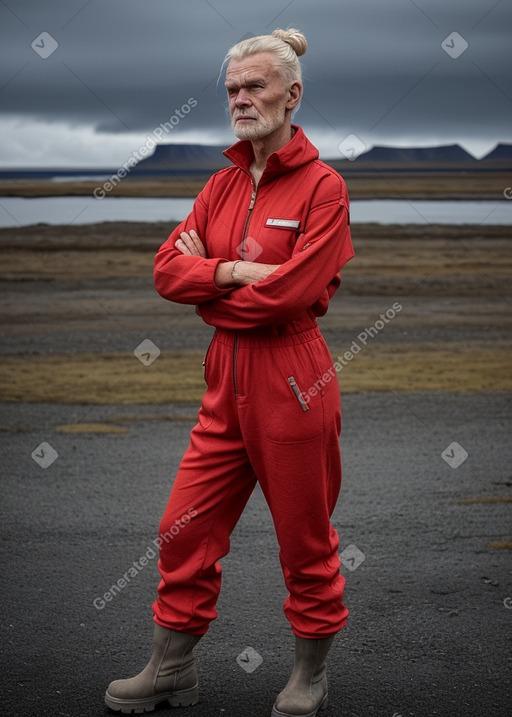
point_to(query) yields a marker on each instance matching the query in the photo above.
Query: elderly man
(259, 256)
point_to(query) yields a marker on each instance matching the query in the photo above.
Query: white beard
(259, 129)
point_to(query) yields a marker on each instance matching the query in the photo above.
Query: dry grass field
(367, 185)
(78, 300)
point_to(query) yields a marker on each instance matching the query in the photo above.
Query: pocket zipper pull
(296, 391)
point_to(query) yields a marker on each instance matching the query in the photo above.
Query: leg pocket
(291, 415)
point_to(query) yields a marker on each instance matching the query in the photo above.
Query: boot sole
(322, 706)
(183, 698)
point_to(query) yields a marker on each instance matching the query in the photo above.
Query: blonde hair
(287, 45)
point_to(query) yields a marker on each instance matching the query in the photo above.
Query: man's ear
(294, 95)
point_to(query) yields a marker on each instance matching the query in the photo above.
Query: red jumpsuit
(258, 421)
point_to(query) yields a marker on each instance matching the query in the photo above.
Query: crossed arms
(245, 295)
(227, 273)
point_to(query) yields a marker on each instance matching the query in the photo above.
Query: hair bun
(294, 38)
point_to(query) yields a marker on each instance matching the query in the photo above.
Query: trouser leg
(212, 486)
(300, 496)
(296, 456)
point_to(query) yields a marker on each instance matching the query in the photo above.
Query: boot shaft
(310, 657)
(172, 661)
(306, 691)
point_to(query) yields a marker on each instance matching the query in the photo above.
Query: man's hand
(190, 244)
(242, 273)
(228, 273)
(250, 272)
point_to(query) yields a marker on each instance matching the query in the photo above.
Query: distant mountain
(203, 160)
(448, 153)
(196, 159)
(184, 158)
(501, 152)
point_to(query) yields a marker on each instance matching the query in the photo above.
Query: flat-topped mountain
(195, 158)
(447, 153)
(202, 160)
(502, 152)
(186, 158)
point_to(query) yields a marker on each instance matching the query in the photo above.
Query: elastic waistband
(269, 336)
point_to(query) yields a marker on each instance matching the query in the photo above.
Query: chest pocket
(277, 238)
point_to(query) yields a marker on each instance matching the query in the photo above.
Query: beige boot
(169, 676)
(306, 691)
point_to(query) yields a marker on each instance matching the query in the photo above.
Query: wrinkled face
(257, 96)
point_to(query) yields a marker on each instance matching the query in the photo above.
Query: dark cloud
(373, 68)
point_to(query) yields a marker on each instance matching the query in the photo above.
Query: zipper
(235, 354)
(205, 361)
(246, 225)
(242, 251)
(297, 393)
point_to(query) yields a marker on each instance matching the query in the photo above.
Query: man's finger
(182, 246)
(197, 243)
(189, 243)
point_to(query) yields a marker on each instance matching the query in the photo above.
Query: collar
(295, 153)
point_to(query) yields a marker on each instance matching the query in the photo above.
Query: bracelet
(233, 268)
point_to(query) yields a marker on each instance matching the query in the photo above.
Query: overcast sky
(108, 72)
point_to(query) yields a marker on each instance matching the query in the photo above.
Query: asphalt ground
(431, 603)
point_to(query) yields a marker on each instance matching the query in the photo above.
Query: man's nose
(242, 99)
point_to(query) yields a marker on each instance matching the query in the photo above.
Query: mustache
(243, 115)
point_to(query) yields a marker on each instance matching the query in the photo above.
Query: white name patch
(284, 223)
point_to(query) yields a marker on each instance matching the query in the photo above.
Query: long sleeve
(299, 282)
(182, 278)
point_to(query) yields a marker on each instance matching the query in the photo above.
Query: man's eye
(234, 91)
